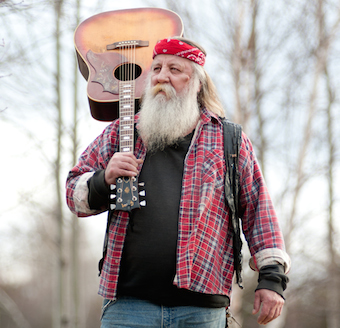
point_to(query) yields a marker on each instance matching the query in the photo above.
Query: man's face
(169, 110)
(173, 70)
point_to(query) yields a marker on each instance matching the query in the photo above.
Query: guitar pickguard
(104, 65)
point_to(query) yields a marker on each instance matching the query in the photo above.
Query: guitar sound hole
(127, 72)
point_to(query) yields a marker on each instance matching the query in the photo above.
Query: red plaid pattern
(204, 251)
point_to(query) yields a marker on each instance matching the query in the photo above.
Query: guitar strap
(232, 133)
(232, 140)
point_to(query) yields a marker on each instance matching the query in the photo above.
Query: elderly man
(170, 264)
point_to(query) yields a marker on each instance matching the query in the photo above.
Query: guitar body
(101, 64)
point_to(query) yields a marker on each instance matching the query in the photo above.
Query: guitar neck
(126, 115)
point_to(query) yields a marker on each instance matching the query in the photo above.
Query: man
(170, 264)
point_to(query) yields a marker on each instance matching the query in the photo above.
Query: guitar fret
(127, 111)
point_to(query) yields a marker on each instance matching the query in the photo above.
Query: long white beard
(165, 119)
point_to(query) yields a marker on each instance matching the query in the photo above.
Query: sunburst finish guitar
(117, 46)
(114, 51)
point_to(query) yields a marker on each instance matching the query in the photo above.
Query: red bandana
(179, 48)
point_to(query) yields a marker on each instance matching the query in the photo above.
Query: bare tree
(333, 295)
(75, 224)
(60, 319)
(11, 307)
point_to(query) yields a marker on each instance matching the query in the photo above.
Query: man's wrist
(272, 277)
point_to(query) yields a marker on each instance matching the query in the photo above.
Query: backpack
(232, 140)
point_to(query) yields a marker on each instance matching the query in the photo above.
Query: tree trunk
(333, 298)
(60, 320)
(75, 223)
(12, 309)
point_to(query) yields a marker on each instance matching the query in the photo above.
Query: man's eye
(155, 69)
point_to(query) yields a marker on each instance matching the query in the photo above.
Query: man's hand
(272, 304)
(121, 165)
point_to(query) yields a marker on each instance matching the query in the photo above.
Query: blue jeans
(129, 312)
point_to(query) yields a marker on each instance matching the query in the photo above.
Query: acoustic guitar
(116, 46)
(114, 51)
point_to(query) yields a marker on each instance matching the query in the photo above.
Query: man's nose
(163, 76)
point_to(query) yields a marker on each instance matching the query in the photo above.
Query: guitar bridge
(130, 43)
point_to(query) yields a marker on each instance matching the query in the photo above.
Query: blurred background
(276, 65)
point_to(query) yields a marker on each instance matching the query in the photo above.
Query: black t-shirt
(148, 263)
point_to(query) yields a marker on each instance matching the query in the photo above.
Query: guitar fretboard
(126, 114)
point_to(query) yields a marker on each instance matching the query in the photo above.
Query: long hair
(207, 97)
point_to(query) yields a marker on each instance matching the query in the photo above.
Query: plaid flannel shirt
(204, 247)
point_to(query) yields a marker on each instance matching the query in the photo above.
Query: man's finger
(257, 304)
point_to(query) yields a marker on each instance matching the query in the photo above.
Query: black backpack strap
(232, 141)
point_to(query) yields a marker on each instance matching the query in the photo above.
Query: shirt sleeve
(95, 158)
(259, 220)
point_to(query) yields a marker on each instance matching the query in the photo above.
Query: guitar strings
(127, 76)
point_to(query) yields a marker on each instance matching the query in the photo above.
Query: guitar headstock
(124, 196)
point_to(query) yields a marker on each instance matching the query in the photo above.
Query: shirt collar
(207, 116)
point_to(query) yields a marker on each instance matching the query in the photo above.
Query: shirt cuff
(272, 277)
(98, 191)
(270, 256)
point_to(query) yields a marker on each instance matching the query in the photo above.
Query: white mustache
(163, 87)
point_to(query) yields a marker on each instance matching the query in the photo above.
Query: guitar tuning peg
(142, 203)
(112, 207)
(112, 187)
(142, 193)
(141, 184)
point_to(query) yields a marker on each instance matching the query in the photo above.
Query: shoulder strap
(232, 140)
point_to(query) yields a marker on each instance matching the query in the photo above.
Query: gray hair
(207, 97)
